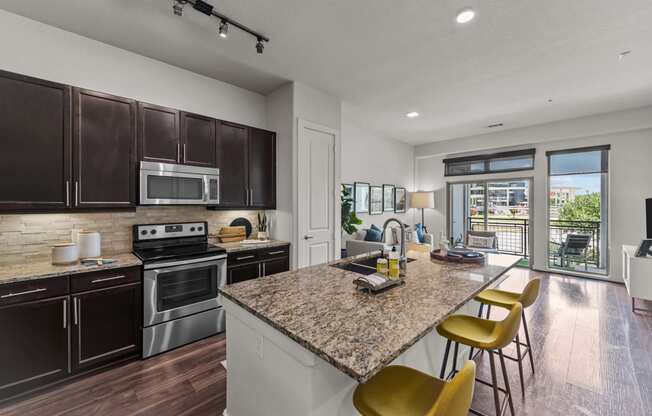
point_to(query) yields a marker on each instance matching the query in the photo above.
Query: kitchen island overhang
(304, 339)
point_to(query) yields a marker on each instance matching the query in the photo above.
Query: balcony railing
(513, 235)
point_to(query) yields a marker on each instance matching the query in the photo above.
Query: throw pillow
(373, 234)
(481, 242)
(420, 233)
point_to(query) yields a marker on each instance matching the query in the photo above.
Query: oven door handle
(184, 262)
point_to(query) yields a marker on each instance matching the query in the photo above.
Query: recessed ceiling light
(623, 54)
(412, 114)
(465, 16)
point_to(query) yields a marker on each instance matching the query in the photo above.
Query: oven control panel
(160, 231)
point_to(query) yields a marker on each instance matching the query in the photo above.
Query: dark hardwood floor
(593, 357)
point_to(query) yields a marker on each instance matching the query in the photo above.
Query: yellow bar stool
(403, 391)
(490, 336)
(504, 299)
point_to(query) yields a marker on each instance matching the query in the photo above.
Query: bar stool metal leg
(520, 363)
(443, 365)
(454, 370)
(509, 390)
(527, 339)
(494, 382)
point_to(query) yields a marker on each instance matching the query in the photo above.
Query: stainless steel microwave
(170, 184)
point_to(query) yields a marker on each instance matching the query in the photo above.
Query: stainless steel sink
(364, 266)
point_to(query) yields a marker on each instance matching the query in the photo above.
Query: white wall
(369, 157)
(629, 186)
(33, 48)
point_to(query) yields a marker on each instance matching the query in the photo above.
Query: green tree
(583, 208)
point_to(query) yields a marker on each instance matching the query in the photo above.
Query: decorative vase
(262, 235)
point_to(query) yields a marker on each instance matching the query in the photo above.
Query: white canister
(65, 253)
(89, 245)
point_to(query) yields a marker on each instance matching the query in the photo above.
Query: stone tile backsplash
(29, 237)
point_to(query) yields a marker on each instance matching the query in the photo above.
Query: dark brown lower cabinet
(106, 326)
(34, 348)
(251, 264)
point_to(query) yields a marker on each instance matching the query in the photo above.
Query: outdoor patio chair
(575, 247)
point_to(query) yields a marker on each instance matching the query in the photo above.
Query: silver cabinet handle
(27, 292)
(106, 279)
(308, 236)
(178, 152)
(264, 270)
(184, 153)
(67, 193)
(65, 313)
(272, 253)
(245, 257)
(74, 307)
(260, 270)
(76, 193)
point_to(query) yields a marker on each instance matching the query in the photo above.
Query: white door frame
(337, 236)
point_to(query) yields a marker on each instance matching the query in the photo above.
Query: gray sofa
(356, 245)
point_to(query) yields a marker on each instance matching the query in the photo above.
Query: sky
(584, 183)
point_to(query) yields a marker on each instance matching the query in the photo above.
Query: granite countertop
(43, 269)
(356, 332)
(234, 247)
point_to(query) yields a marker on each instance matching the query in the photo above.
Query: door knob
(308, 237)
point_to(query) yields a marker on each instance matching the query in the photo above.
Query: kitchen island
(299, 342)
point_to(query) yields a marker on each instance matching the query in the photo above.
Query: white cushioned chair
(488, 239)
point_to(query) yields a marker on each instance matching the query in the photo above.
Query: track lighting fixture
(209, 10)
(224, 29)
(177, 7)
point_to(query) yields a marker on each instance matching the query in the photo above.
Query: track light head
(259, 46)
(177, 7)
(224, 29)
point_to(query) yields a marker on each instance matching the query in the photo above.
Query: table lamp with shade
(422, 200)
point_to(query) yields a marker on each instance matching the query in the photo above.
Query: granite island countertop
(44, 269)
(235, 247)
(358, 333)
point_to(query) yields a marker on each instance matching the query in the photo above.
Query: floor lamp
(423, 200)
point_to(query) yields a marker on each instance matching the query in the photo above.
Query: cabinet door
(198, 140)
(274, 266)
(158, 134)
(243, 272)
(34, 350)
(104, 150)
(106, 326)
(232, 161)
(262, 169)
(35, 133)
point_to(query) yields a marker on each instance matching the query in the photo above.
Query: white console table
(637, 273)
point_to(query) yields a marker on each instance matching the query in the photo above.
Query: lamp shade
(421, 199)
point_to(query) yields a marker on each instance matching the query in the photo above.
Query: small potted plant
(349, 219)
(262, 226)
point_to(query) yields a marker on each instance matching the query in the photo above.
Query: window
(491, 163)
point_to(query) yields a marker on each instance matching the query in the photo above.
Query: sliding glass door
(499, 208)
(577, 210)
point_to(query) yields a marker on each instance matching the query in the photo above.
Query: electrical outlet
(259, 347)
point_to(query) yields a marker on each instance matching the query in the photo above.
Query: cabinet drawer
(274, 252)
(241, 257)
(104, 278)
(30, 290)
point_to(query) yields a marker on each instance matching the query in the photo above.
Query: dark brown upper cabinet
(36, 145)
(233, 160)
(246, 158)
(198, 140)
(104, 150)
(262, 169)
(158, 134)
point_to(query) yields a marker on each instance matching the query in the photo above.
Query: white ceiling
(385, 57)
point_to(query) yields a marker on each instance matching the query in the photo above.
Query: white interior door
(316, 196)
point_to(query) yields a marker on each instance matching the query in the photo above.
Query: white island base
(270, 374)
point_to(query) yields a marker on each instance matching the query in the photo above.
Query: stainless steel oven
(182, 273)
(170, 184)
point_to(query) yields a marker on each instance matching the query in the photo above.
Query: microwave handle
(207, 187)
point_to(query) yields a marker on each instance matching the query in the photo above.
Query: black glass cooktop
(177, 252)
